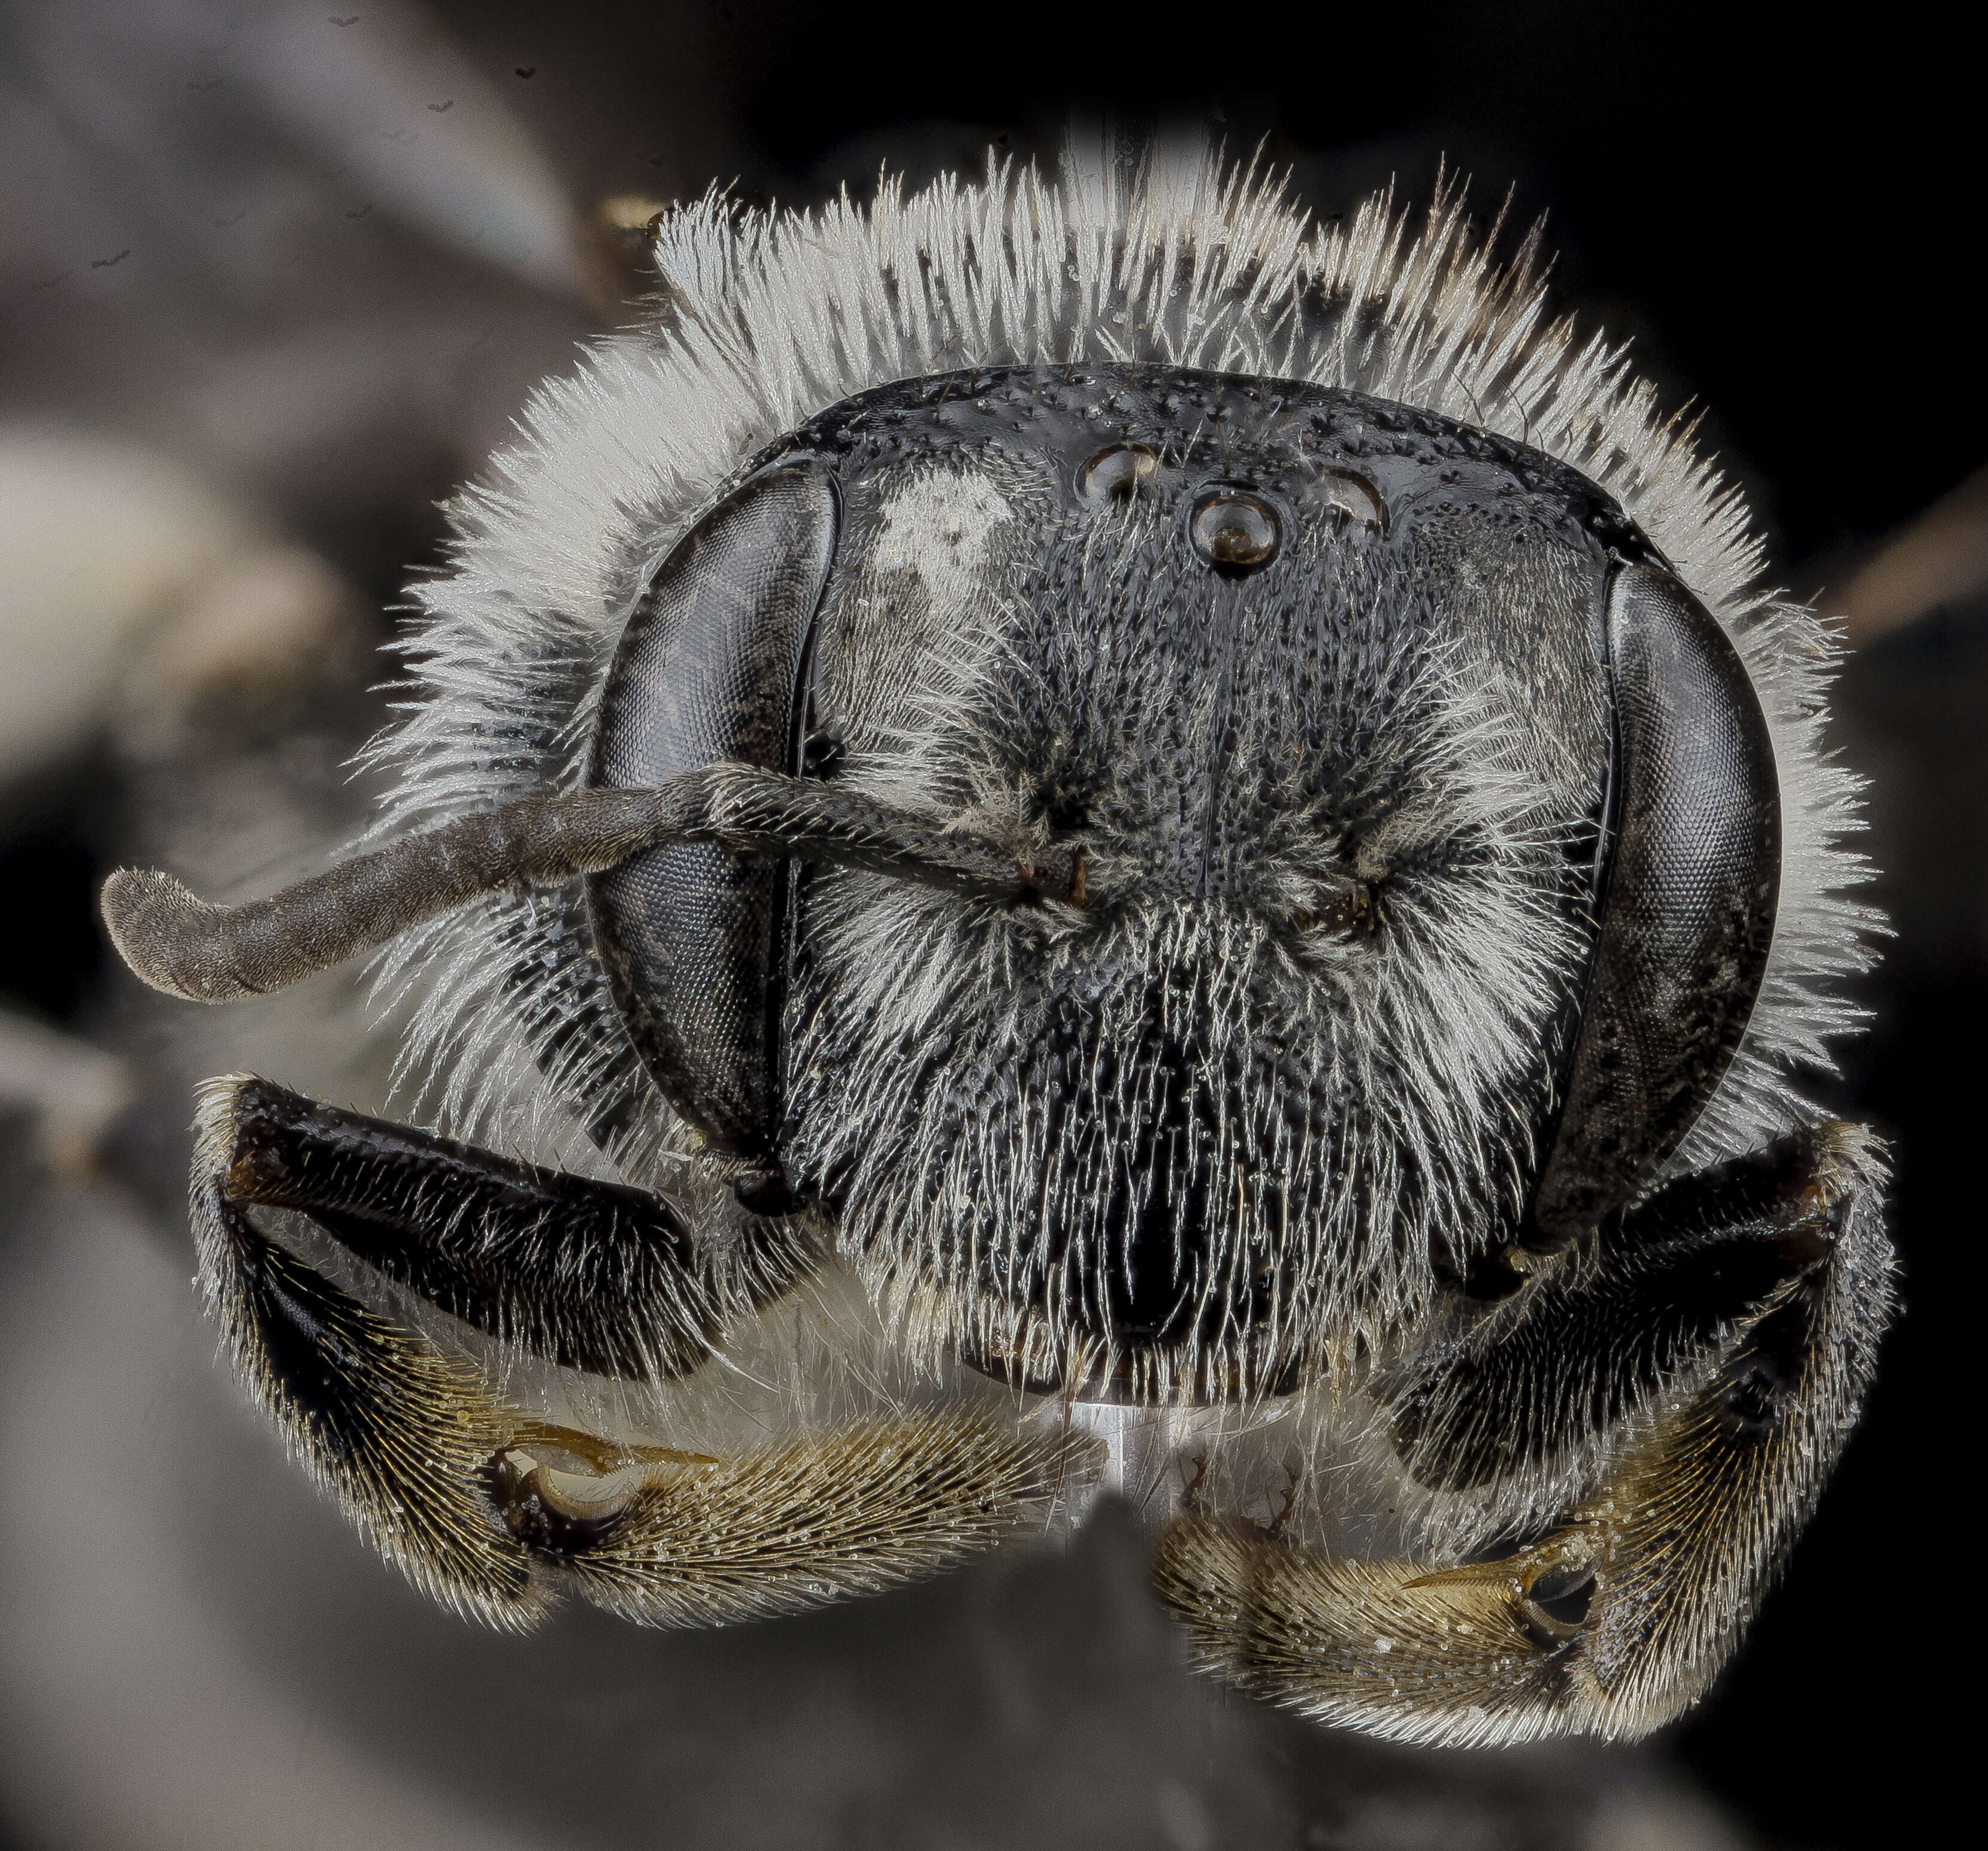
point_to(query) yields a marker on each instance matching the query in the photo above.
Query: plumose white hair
(766, 318)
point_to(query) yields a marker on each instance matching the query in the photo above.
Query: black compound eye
(1235, 531)
(1687, 904)
(710, 667)
(1118, 474)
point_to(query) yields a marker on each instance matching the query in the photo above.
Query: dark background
(1784, 217)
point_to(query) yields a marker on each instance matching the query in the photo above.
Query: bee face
(1183, 866)
(1319, 690)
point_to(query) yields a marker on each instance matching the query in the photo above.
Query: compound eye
(1118, 474)
(1235, 531)
(1687, 906)
(709, 667)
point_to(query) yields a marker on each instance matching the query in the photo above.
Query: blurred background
(274, 278)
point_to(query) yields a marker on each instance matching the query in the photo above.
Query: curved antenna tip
(155, 922)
